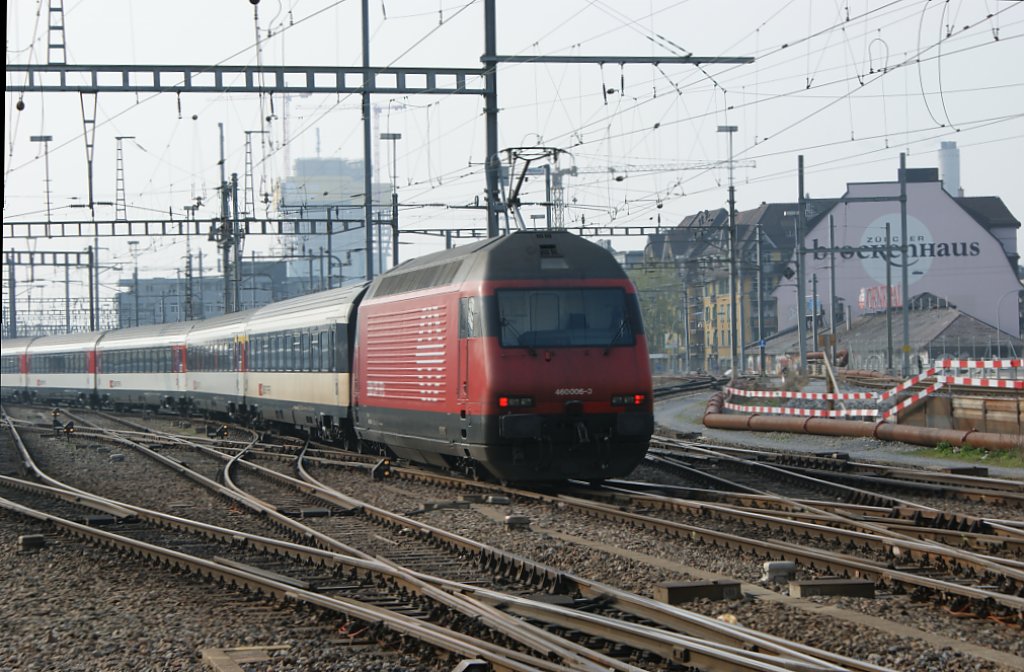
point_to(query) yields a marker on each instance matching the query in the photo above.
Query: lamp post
(134, 246)
(733, 338)
(999, 329)
(394, 138)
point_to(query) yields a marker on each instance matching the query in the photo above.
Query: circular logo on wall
(918, 238)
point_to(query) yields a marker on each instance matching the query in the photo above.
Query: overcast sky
(849, 85)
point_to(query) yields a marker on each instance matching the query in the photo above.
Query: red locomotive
(522, 355)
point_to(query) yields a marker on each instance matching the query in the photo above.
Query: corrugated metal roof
(929, 329)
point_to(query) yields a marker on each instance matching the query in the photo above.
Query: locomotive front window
(579, 317)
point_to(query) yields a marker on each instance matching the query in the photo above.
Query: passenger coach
(298, 361)
(143, 366)
(14, 369)
(62, 368)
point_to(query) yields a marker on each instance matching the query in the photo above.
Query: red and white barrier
(811, 412)
(1001, 383)
(890, 414)
(979, 363)
(910, 401)
(786, 394)
(909, 382)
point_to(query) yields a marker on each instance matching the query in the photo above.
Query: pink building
(961, 249)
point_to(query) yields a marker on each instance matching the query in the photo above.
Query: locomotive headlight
(637, 399)
(514, 402)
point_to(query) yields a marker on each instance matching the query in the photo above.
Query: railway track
(898, 540)
(646, 643)
(835, 471)
(973, 581)
(647, 511)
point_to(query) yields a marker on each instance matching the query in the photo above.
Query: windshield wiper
(519, 337)
(618, 332)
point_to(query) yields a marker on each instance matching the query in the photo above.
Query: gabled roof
(776, 221)
(989, 211)
(690, 237)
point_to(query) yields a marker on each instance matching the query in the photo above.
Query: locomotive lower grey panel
(515, 447)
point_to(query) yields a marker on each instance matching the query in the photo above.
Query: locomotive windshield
(545, 318)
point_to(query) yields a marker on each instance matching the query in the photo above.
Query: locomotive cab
(567, 393)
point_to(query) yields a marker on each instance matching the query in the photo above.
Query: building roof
(989, 211)
(941, 327)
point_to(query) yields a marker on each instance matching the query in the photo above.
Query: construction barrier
(891, 413)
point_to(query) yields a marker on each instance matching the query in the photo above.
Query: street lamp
(733, 338)
(133, 245)
(394, 138)
(999, 330)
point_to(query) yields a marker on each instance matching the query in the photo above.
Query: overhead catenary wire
(636, 138)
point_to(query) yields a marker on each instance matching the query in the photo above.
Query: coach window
(304, 349)
(329, 347)
(314, 351)
(253, 353)
(292, 353)
(278, 350)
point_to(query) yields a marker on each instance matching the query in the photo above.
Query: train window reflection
(578, 317)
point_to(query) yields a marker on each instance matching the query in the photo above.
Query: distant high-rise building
(332, 185)
(949, 165)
